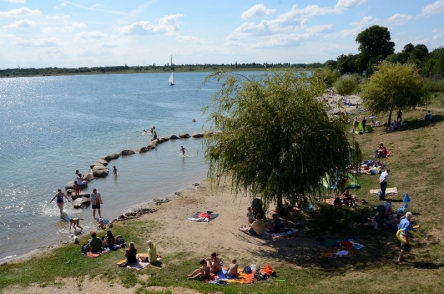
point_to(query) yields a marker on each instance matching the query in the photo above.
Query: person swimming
(144, 131)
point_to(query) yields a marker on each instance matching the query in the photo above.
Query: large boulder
(100, 172)
(197, 135)
(174, 137)
(92, 165)
(70, 186)
(152, 145)
(141, 149)
(103, 161)
(88, 176)
(107, 158)
(114, 156)
(184, 136)
(127, 152)
(165, 139)
(160, 141)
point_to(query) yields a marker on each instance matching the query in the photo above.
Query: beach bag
(247, 269)
(260, 276)
(85, 248)
(119, 240)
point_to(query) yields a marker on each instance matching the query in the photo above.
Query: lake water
(51, 126)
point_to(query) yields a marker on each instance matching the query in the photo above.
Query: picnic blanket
(388, 191)
(137, 266)
(105, 250)
(242, 278)
(203, 217)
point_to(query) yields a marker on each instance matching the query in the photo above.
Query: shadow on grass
(427, 265)
(332, 224)
(416, 124)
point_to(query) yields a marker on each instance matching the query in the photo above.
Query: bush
(435, 86)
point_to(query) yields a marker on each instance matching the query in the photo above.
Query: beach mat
(242, 278)
(203, 217)
(136, 266)
(388, 191)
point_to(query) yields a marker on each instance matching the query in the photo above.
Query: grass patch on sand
(300, 268)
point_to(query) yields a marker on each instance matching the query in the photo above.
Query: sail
(171, 79)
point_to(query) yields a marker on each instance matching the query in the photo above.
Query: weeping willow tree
(276, 140)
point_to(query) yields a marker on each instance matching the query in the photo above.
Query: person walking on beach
(96, 200)
(60, 203)
(383, 179)
(183, 150)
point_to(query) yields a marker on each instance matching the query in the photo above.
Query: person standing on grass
(406, 226)
(96, 200)
(383, 179)
(363, 124)
(355, 124)
(399, 116)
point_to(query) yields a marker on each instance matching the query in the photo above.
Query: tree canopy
(327, 75)
(346, 85)
(276, 139)
(375, 45)
(394, 86)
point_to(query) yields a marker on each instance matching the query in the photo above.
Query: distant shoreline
(16, 73)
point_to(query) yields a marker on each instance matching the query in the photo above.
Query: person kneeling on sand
(232, 269)
(201, 273)
(257, 228)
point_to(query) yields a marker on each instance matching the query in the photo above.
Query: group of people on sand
(256, 226)
(212, 265)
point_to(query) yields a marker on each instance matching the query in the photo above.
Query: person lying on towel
(275, 224)
(257, 228)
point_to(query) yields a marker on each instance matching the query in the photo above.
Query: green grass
(372, 270)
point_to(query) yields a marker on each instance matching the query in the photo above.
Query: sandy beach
(221, 235)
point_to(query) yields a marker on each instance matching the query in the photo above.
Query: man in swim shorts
(96, 200)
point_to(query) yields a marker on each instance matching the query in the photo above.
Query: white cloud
(347, 4)
(19, 12)
(439, 34)
(322, 29)
(20, 24)
(399, 19)
(44, 42)
(257, 10)
(359, 26)
(68, 28)
(167, 25)
(17, 1)
(289, 40)
(434, 8)
(90, 36)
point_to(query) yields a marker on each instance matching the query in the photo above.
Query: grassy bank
(417, 165)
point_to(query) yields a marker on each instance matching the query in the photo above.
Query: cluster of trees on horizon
(375, 46)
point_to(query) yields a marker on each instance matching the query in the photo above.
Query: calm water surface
(51, 126)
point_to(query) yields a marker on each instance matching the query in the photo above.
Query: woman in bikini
(60, 196)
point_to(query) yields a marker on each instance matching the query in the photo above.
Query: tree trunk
(279, 202)
(390, 117)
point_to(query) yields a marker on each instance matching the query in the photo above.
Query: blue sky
(49, 33)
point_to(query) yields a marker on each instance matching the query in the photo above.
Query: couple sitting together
(258, 227)
(213, 264)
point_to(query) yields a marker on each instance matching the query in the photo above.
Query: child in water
(183, 150)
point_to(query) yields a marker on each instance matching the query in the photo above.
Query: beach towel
(136, 266)
(203, 217)
(388, 191)
(144, 256)
(242, 278)
(93, 255)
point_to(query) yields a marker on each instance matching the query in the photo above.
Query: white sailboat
(171, 79)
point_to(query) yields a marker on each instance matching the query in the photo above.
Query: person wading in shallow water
(60, 196)
(96, 200)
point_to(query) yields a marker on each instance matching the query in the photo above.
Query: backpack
(119, 240)
(85, 248)
(260, 276)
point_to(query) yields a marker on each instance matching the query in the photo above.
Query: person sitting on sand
(152, 254)
(232, 269)
(257, 228)
(275, 224)
(131, 253)
(428, 115)
(201, 273)
(214, 263)
(95, 244)
(108, 240)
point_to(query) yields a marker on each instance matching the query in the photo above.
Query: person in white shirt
(383, 179)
